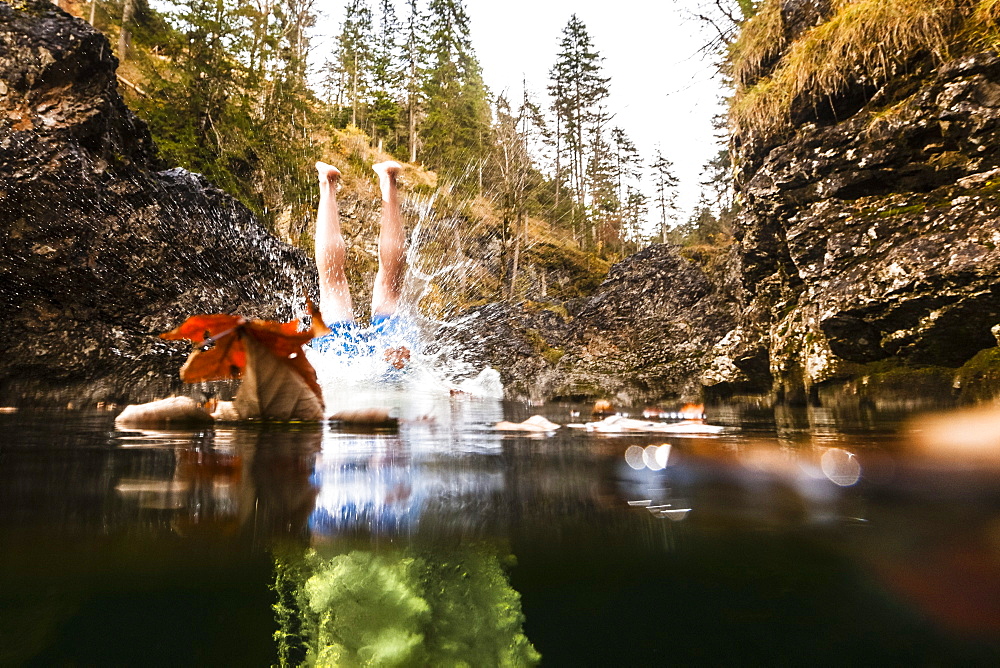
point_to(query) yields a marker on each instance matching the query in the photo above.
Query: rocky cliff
(866, 260)
(870, 232)
(644, 335)
(866, 140)
(100, 249)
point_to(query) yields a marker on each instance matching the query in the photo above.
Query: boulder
(643, 335)
(101, 246)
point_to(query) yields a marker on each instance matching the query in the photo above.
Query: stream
(796, 536)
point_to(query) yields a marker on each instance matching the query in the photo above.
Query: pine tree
(456, 126)
(125, 32)
(578, 88)
(602, 184)
(354, 55)
(386, 76)
(514, 177)
(665, 184)
(628, 164)
(413, 53)
(206, 82)
(635, 208)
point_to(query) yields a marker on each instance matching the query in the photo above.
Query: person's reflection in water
(369, 491)
(438, 604)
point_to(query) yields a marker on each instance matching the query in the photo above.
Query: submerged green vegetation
(399, 608)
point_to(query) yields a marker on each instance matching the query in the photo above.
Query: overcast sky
(662, 91)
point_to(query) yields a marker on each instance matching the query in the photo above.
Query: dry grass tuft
(864, 41)
(984, 24)
(987, 14)
(760, 41)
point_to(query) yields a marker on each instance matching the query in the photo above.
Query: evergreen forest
(553, 190)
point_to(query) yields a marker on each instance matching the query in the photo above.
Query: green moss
(556, 308)
(879, 367)
(549, 353)
(412, 607)
(892, 377)
(901, 210)
(979, 378)
(573, 273)
(553, 355)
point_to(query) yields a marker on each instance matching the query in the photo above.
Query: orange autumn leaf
(220, 351)
(319, 327)
(281, 338)
(226, 358)
(197, 328)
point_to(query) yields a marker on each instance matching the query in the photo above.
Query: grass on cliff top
(867, 41)
(762, 38)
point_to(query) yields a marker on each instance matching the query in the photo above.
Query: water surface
(796, 537)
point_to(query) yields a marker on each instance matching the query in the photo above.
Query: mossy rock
(979, 378)
(889, 382)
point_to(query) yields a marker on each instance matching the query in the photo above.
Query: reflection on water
(445, 541)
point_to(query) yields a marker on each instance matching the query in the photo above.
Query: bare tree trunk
(93, 11)
(354, 94)
(513, 270)
(558, 137)
(413, 131)
(124, 37)
(520, 240)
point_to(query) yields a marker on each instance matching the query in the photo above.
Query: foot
(327, 173)
(387, 172)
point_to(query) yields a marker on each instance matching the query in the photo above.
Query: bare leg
(391, 244)
(334, 293)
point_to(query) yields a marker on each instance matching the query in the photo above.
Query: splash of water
(440, 365)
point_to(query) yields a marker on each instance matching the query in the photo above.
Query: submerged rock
(102, 248)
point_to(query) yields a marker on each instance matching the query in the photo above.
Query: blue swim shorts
(347, 338)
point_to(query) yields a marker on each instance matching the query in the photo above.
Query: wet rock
(878, 236)
(524, 342)
(101, 247)
(645, 334)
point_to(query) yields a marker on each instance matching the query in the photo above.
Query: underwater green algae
(405, 608)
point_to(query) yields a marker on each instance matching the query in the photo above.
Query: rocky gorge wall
(866, 260)
(101, 249)
(869, 239)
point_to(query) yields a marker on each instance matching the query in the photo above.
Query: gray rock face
(876, 237)
(642, 336)
(100, 250)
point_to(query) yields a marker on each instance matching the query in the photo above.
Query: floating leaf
(275, 388)
(279, 382)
